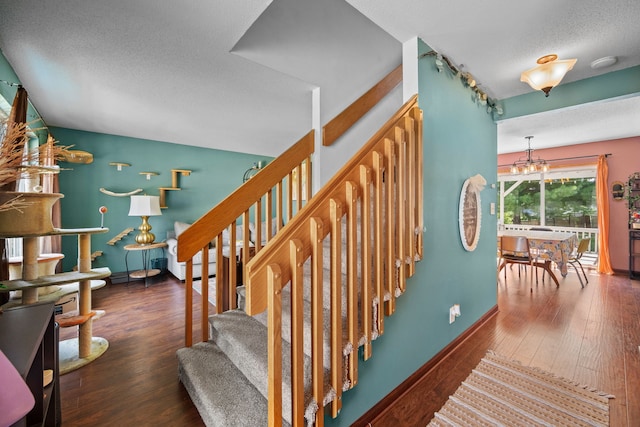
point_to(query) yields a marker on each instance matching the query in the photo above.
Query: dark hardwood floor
(135, 382)
(589, 335)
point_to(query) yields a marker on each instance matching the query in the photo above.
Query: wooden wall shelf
(175, 173)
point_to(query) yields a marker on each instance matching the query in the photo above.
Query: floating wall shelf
(149, 174)
(119, 165)
(174, 185)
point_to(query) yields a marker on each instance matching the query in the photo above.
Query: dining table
(549, 246)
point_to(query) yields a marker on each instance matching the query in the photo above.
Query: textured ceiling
(191, 72)
(597, 121)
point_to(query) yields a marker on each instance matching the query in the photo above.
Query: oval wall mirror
(469, 216)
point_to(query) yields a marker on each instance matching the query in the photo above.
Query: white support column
(316, 123)
(409, 69)
(543, 213)
(501, 202)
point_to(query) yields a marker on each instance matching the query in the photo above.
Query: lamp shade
(548, 73)
(145, 206)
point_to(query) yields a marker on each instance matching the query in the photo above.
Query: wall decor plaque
(470, 213)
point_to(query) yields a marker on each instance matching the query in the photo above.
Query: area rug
(502, 392)
(197, 284)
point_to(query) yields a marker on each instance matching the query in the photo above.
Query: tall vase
(31, 218)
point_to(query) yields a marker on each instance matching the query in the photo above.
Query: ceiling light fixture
(548, 73)
(529, 164)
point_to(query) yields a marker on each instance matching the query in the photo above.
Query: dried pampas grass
(11, 152)
(16, 160)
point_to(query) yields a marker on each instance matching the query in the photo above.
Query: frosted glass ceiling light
(548, 73)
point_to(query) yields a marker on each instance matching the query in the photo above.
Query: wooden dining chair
(515, 250)
(574, 258)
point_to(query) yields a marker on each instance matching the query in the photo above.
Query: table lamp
(145, 206)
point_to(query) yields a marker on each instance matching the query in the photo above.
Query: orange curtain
(602, 199)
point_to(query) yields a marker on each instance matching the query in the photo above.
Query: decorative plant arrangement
(16, 161)
(25, 213)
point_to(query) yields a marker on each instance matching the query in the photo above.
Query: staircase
(316, 294)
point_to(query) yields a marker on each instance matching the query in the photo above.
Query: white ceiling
(190, 72)
(597, 121)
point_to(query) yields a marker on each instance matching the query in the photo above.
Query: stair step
(326, 329)
(223, 396)
(244, 340)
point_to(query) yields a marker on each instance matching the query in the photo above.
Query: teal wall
(8, 92)
(7, 74)
(459, 142)
(624, 82)
(215, 174)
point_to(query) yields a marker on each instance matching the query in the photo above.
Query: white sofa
(178, 269)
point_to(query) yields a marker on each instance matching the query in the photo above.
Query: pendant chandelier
(529, 164)
(548, 73)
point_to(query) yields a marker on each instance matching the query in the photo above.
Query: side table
(145, 250)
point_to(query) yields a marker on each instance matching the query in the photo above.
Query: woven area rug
(502, 392)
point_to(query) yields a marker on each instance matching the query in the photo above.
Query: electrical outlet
(456, 309)
(492, 208)
(452, 314)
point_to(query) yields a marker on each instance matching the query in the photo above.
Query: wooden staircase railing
(272, 188)
(380, 192)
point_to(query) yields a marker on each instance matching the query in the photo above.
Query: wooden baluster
(317, 362)
(188, 309)
(274, 325)
(352, 278)
(204, 292)
(220, 266)
(401, 206)
(389, 173)
(297, 331)
(417, 114)
(336, 304)
(378, 246)
(365, 260)
(410, 166)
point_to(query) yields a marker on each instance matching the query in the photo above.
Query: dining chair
(574, 258)
(536, 253)
(515, 250)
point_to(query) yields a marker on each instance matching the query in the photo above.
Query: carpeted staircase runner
(220, 392)
(232, 365)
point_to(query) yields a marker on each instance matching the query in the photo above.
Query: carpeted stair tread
(286, 326)
(220, 392)
(244, 340)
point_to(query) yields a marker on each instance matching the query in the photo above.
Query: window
(559, 198)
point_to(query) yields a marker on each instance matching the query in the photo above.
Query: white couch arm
(172, 246)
